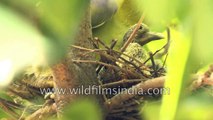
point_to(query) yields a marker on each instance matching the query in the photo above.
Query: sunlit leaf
(21, 44)
(160, 13)
(177, 61)
(202, 30)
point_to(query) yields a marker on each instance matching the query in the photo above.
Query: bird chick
(143, 35)
(134, 52)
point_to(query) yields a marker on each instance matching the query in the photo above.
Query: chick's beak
(148, 37)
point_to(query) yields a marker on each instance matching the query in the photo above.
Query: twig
(103, 58)
(110, 50)
(9, 106)
(118, 53)
(109, 57)
(22, 115)
(108, 65)
(166, 46)
(201, 80)
(104, 95)
(87, 49)
(140, 63)
(131, 63)
(153, 65)
(97, 39)
(124, 81)
(164, 62)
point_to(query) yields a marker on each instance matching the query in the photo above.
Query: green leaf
(3, 114)
(60, 21)
(82, 110)
(197, 107)
(202, 30)
(151, 111)
(177, 62)
(159, 13)
(62, 17)
(21, 44)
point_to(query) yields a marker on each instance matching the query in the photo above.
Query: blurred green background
(37, 32)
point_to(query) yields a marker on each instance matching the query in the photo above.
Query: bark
(68, 75)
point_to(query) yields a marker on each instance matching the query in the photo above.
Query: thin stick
(127, 72)
(130, 57)
(87, 49)
(153, 65)
(108, 52)
(102, 43)
(104, 95)
(111, 50)
(124, 81)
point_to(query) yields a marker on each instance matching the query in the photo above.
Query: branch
(123, 96)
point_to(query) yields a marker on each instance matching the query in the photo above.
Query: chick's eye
(140, 27)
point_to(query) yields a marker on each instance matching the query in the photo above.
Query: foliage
(41, 30)
(83, 110)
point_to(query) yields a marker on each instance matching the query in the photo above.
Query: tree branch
(123, 96)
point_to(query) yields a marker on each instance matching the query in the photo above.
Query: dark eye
(140, 27)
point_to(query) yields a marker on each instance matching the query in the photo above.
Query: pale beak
(148, 37)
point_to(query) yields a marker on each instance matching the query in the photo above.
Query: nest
(122, 70)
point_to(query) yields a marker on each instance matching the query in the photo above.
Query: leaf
(202, 30)
(61, 18)
(21, 44)
(2, 114)
(177, 63)
(82, 110)
(197, 107)
(60, 21)
(151, 111)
